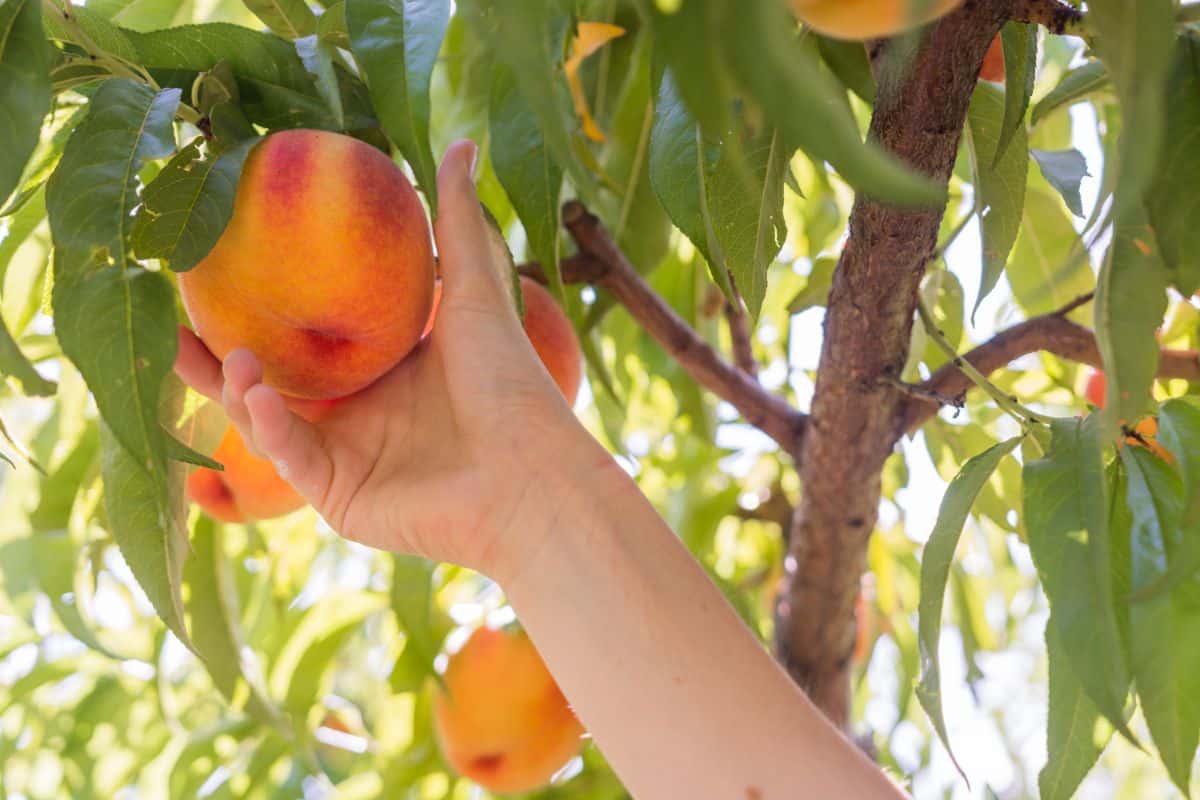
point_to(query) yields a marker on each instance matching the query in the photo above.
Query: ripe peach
(993, 63)
(325, 270)
(249, 488)
(553, 338)
(501, 719)
(549, 332)
(867, 19)
(1095, 388)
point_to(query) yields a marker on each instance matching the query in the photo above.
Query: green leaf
(1078, 84)
(318, 59)
(1131, 300)
(60, 488)
(816, 289)
(1171, 198)
(1166, 630)
(1065, 171)
(188, 204)
(275, 89)
(935, 571)
(301, 665)
(145, 513)
(1066, 518)
(114, 320)
(680, 163)
(55, 560)
(213, 615)
(528, 36)
(849, 62)
(1076, 732)
(803, 102)
(688, 42)
(1136, 42)
(396, 43)
(1020, 65)
(527, 171)
(1049, 265)
(726, 198)
(412, 603)
(14, 364)
(331, 26)
(1000, 186)
(24, 87)
(289, 18)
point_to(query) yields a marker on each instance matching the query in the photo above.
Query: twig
(1050, 333)
(1008, 403)
(1053, 15)
(739, 335)
(600, 262)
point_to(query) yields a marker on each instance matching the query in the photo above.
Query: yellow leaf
(589, 37)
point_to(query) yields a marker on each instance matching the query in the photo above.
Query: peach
(550, 333)
(1095, 388)
(249, 488)
(501, 720)
(325, 270)
(553, 337)
(867, 19)
(993, 62)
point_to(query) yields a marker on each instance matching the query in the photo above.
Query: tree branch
(739, 335)
(1053, 15)
(600, 262)
(1051, 333)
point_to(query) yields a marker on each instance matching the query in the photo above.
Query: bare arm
(466, 452)
(676, 691)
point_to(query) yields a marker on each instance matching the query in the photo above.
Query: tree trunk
(919, 114)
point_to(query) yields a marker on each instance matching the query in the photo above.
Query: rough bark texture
(919, 115)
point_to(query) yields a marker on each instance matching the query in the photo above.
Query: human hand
(447, 454)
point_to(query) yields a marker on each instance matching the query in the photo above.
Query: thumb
(474, 273)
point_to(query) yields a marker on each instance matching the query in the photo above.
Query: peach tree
(823, 287)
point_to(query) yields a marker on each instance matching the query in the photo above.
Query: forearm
(679, 696)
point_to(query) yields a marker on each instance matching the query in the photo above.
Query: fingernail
(282, 468)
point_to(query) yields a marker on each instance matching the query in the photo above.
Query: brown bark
(602, 263)
(919, 115)
(1055, 16)
(1052, 333)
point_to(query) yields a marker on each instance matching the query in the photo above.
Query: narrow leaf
(1078, 84)
(1131, 300)
(1065, 171)
(935, 571)
(1000, 186)
(527, 171)
(1171, 196)
(145, 515)
(1166, 630)
(188, 204)
(213, 614)
(24, 87)
(1066, 518)
(317, 58)
(1020, 65)
(1077, 733)
(396, 42)
(289, 18)
(114, 320)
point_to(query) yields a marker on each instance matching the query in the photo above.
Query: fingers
(197, 367)
(293, 444)
(241, 371)
(465, 256)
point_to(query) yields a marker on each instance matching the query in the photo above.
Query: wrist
(563, 490)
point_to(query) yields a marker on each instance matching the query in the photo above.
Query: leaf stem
(1006, 402)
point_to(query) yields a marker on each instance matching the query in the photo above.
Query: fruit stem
(1006, 402)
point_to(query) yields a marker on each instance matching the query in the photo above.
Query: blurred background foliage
(323, 691)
